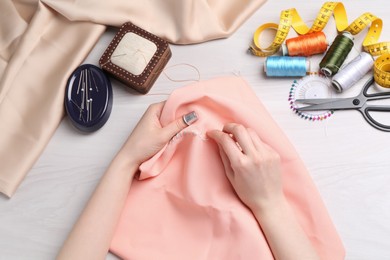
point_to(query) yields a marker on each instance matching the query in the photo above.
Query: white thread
(236, 73)
(181, 80)
(353, 72)
(189, 132)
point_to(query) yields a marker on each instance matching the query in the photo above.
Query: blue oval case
(88, 98)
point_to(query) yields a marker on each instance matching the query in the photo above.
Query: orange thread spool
(306, 45)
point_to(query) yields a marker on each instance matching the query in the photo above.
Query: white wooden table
(347, 158)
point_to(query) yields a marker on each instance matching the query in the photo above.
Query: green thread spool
(337, 53)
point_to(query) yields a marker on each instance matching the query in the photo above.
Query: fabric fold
(184, 189)
(177, 21)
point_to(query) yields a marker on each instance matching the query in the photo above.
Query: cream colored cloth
(42, 42)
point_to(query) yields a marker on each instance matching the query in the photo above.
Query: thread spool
(353, 72)
(305, 45)
(285, 66)
(336, 54)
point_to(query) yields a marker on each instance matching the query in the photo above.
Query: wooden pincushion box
(135, 57)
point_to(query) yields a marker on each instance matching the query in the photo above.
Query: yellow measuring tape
(290, 18)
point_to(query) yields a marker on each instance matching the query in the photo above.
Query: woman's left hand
(149, 137)
(94, 225)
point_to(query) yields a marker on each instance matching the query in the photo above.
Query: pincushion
(135, 57)
(88, 98)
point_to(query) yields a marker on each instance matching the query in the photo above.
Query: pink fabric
(185, 208)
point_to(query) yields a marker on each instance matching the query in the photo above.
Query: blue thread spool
(285, 66)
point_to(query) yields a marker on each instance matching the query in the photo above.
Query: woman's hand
(100, 217)
(252, 167)
(254, 170)
(149, 137)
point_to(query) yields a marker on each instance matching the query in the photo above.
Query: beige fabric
(36, 61)
(42, 42)
(178, 21)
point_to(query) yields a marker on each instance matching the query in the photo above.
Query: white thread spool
(352, 72)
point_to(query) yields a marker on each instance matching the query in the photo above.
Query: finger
(259, 144)
(153, 111)
(226, 164)
(227, 143)
(268, 149)
(242, 137)
(255, 139)
(156, 106)
(179, 124)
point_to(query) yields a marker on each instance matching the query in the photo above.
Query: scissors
(358, 103)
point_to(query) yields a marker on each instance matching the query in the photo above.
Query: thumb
(179, 124)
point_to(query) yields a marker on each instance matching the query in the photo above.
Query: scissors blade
(331, 104)
(316, 101)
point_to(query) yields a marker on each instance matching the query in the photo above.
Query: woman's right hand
(254, 170)
(252, 167)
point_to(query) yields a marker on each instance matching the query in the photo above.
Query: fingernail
(190, 118)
